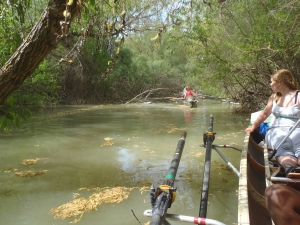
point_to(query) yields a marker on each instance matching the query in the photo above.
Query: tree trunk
(42, 39)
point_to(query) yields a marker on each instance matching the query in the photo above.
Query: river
(70, 154)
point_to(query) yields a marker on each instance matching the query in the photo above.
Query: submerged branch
(144, 93)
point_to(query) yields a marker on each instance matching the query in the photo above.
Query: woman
(284, 104)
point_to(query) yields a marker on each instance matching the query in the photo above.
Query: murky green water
(117, 146)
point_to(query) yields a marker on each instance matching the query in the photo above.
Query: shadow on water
(117, 146)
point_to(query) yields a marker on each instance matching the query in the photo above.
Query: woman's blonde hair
(284, 76)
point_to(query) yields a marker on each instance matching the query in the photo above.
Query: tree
(105, 21)
(244, 43)
(43, 38)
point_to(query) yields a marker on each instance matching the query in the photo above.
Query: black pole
(176, 160)
(208, 140)
(165, 193)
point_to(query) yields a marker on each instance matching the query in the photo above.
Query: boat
(190, 100)
(163, 196)
(252, 184)
(258, 170)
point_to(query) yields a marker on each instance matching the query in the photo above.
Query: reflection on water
(117, 146)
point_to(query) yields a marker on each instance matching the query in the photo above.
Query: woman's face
(275, 85)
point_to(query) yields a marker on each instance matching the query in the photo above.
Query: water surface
(117, 146)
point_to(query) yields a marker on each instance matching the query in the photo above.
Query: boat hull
(191, 101)
(252, 185)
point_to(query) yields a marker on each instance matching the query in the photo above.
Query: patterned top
(285, 116)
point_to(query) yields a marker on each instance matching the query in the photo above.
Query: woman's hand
(298, 161)
(250, 129)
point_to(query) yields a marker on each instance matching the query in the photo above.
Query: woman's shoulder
(272, 97)
(297, 99)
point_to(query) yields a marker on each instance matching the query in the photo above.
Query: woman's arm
(262, 116)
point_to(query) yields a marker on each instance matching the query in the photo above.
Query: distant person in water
(184, 91)
(187, 92)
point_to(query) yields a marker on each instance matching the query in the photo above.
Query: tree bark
(41, 40)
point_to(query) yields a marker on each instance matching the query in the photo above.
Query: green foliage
(124, 68)
(9, 39)
(238, 45)
(39, 89)
(164, 65)
(9, 113)
(12, 26)
(84, 55)
(225, 48)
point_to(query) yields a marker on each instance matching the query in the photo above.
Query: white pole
(190, 219)
(275, 150)
(293, 128)
(228, 146)
(284, 180)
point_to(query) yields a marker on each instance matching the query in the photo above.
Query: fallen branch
(144, 93)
